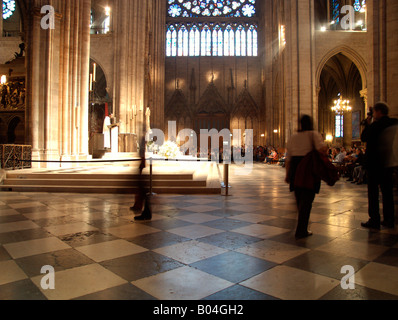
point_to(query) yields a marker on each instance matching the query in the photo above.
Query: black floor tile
(233, 266)
(325, 263)
(108, 222)
(87, 238)
(4, 254)
(359, 293)
(389, 257)
(229, 240)
(237, 292)
(59, 260)
(21, 290)
(157, 240)
(311, 242)
(281, 223)
(23, 235)
(56, 221)
(225, 213)
(372, 237)
(167, 224)
(226, 224)
(13, 218)
(120, 293)
(140, 265)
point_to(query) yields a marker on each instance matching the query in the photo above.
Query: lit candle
(91, 82)
(95, 72)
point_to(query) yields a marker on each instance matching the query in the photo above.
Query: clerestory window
(338, 10)
(211, 28)
(8, 8)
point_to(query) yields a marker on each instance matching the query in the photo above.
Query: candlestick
(95, 72)
(91, 82)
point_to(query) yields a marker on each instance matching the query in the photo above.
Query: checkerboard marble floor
(240, 247)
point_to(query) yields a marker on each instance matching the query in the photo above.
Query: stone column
(139, 49)
(131, 35)
(84, 79)
(158, 56)
(33, 86)
(364, 95)
(65, 70)
(1, 19)
(57, 81)
(75, 76)
(299, 71)
(392, 55)
(375, 27)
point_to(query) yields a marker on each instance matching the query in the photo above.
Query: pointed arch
(354, 56)
(211, 102)
(178, 106)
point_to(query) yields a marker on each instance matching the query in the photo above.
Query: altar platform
(118, 175)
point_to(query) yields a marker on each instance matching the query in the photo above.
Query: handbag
(314, 168)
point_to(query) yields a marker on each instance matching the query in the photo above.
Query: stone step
(168, 178)
(102, 182)
(93, 176)
(108, 190)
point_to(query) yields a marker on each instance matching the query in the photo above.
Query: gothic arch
(211, 102)
(101, 70)
(178, 106)
(353, 55)
(340, 75)
(15, 130)
(245, 105)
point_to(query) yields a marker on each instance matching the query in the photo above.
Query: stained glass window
(336, 11)
(339, 126)
(337, 5)
(211, 40)
(205, 35)
(211, 8)
(8, 8)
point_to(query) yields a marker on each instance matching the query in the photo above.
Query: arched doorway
(100, 104)
(340, 77)
(16, 131)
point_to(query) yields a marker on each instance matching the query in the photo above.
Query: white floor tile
(190, 251)
(10, 272)
(110, 250)
(77, 282)
(184, 283)
(34, 247)
(291, 284)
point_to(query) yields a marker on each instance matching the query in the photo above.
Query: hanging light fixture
(341, 106)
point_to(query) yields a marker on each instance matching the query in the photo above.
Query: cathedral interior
(238, 65)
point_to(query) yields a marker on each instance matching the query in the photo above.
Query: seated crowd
(351, 163)
(269, 155)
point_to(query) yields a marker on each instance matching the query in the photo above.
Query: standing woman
(298, 147)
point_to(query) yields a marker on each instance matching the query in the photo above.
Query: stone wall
(8, 48)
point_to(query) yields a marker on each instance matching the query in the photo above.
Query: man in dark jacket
(379, 174)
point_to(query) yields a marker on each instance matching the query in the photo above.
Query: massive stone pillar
(130, 55)
(157, 63)
(85, 7)
(57, 80)
(290, 85)
(300, 51)
(383, 53)
(139, 42)
(392, 55)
